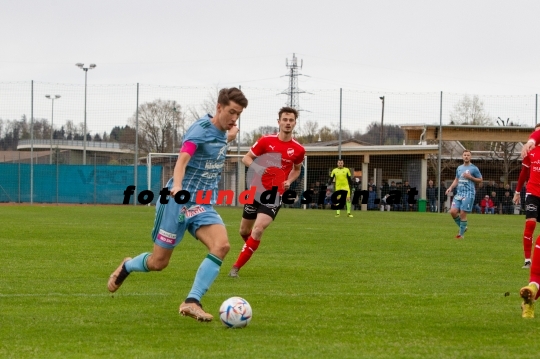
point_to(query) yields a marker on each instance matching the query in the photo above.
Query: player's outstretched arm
(331, 179)
(349, 180)
(527, 148)
(249, 161)
(293, 175)
(451, 188)
(179, 172)
(523, 176)
(231, 134)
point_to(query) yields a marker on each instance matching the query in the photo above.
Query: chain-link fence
(43, 144)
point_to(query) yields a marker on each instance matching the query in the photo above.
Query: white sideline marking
(78, 295)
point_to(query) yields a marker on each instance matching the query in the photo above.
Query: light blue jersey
(466, 187)
(203, 170)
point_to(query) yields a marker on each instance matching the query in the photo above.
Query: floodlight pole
(382, 123)
(52, 120)
(85, 68)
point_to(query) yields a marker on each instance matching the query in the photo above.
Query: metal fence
(342, 111)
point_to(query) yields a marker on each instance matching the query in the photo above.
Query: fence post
(95, 178)
(57, 178)
(135, 163)
(32, 142)
(439, 156)
(340, 109)
(19, 177)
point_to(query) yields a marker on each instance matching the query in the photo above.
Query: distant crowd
(492, 198)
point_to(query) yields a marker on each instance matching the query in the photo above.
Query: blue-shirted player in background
(467, 175)
(198, 167)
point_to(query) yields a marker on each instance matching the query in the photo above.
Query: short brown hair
(226, 95)
(537, 125)
(466, 151)
(288, 110)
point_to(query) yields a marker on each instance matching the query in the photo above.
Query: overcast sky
(456, 46)
(484, 47)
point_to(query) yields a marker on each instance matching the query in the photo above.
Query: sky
(380, 47)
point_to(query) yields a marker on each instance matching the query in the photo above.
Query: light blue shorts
(463, 203)
(173, 219)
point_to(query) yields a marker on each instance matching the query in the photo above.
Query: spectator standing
(495, 201)
(507, 203)
(398, 197)
(442, 197)
(431, 193)
(372, 196)
(405, 197)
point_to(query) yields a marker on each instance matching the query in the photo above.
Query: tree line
(162, 124)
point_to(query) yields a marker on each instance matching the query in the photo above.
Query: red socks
(527, 238)
(245, 238)
(251, 246)
(535, 266)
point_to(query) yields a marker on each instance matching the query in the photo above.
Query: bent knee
(244, 231)
(221, 249)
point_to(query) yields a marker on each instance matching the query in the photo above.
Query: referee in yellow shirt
(343, 179)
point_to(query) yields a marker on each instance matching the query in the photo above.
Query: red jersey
(532, 162)
(535, 136)
(291, 153)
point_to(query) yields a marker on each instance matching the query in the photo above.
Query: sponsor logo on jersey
(209, 174)
(249, 209)
(272, 164)
(166, 237)
(213, 165)
(222, 152)
(192, 211)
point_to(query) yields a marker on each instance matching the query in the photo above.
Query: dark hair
(466, 151)
(226, 95)
(288, 110)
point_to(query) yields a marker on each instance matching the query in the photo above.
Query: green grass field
(379, 285)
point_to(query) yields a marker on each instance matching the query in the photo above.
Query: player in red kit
(274, 161)
(534, 140)
(530, 172)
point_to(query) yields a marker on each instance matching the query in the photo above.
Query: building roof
(348, 143)
(15, 156)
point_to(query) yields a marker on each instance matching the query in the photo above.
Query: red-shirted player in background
(530, 223)
(534, 139)
(530, 172)
(257, 216)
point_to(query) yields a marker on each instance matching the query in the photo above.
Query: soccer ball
(235, 312)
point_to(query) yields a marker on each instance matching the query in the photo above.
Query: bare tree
(470, 111)
(506, 152)
(208, 105)
(249, 139)
(70, 129)
(326, 134)
(159, 123)
(308, 132)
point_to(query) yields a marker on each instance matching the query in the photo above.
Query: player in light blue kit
(467, 176)
(198, 167)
